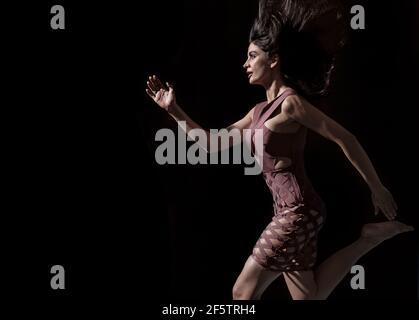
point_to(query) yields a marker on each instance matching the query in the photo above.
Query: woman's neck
(275, 88)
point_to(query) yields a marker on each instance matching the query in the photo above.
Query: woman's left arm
(306, 114)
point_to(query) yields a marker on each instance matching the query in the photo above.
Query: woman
(294, 65)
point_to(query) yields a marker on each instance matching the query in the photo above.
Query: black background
(86, 193)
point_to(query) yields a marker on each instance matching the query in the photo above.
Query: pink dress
(289, 242)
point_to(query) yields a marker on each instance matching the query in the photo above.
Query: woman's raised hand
(163, 95)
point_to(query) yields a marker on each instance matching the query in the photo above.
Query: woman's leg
(301, 284)
(320, 283)
(253, 281)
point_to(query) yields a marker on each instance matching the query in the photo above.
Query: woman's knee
(243, 291)
(310, 294)
(239, 291)
(250, 282)
(236, 292)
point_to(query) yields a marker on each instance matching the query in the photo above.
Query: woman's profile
(293, 64)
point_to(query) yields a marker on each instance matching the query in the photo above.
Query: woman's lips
(249, 75)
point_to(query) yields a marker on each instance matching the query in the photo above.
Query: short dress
(289, 242)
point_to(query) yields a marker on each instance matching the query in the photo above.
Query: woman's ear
(274, 60)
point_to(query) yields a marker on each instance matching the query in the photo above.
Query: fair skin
(253, 280)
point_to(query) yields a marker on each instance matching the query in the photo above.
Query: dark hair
(299, 31)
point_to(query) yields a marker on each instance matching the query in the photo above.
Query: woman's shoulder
(295, 103)
(291, 92)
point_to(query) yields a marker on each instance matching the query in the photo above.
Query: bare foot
(380, 231)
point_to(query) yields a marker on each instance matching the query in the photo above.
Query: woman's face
(258, 65)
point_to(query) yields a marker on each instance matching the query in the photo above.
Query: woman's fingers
(150, 93)
(169, 86)
(391, 205)
(390, 212)
(153, 84)
(152, 87)
(393, 210)
(386, 214)
(385, 203)
(376, 209)
(159, 94)
(156, 84)
(387, 211)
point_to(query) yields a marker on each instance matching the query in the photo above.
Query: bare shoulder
(293, 104)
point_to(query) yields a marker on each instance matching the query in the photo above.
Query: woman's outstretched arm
(164, 97)
(303, 112)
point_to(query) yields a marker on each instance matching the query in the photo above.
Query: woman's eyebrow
(252, 52)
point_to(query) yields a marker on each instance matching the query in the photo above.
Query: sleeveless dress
(289, 242)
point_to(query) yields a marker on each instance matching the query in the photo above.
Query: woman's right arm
(217, 141)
